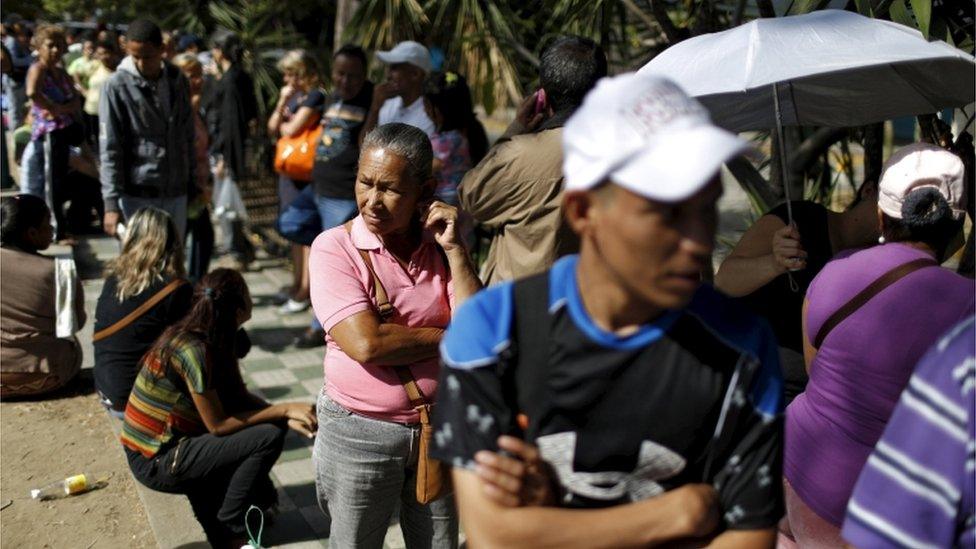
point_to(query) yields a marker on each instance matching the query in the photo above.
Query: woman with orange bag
(299, 108)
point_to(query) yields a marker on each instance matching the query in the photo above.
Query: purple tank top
(862, 366)
(58, 88)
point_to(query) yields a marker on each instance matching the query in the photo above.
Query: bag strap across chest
(139, 311)
(865, 295)
(386, 310)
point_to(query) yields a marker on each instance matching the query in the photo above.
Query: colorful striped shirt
(917, 488)
(160, 406)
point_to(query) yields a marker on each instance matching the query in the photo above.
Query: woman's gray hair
(407, 141)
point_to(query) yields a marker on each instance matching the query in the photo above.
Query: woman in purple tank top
(859, 368)
(54, 105)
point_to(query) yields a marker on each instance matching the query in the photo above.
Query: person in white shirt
(400, 98)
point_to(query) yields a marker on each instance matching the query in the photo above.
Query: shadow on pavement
(274, 339)
(87, 262)
(82, 384)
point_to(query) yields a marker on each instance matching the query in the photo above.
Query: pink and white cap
(645, 134)
(918, 166)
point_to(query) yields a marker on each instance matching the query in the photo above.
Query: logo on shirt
(654, 463)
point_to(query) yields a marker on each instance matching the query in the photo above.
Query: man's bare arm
(676, 514)
(745, 539)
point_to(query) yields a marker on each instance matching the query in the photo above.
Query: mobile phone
(540, 101)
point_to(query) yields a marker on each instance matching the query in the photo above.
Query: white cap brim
(680, 165)
(390, 58)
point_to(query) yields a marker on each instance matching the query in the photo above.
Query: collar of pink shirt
(364, 239)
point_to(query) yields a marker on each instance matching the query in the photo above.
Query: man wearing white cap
(400, 98)
(634, 405)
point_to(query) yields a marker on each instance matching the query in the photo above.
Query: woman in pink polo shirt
(366, 447)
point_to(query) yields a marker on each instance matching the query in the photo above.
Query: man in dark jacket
(146, 132)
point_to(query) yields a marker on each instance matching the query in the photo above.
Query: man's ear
(578, 210)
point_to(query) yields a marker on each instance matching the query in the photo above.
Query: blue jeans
(363, 466)
(333, 212)
(299, 221)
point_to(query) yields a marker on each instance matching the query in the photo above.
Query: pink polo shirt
(423, 296)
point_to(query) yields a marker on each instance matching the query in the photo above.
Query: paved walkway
(274, 369)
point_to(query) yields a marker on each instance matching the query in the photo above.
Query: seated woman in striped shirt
(191, 427)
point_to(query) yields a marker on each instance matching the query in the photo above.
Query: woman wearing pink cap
(868, 318)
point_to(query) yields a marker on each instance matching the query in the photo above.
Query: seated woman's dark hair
(925, 217)
(448, 92)
(217, 299)
(18, 214)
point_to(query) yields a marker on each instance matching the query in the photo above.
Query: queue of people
(784, 405)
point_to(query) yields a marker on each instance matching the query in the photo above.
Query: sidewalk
(276, 370)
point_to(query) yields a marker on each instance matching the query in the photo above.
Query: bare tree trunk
(766, 8)
(671, 31)
(806, 154)
(873, 150)
(703, 19)
(753, 183)
(345, 9)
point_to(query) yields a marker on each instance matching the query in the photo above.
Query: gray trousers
(363, 468)
(175, 207)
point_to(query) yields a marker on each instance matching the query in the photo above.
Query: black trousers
(221, 475)
(200, 239)
(60, 190)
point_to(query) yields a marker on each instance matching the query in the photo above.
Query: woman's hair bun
(924, 207)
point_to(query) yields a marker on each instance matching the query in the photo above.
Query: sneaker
(310, 338)
(281, 297)
(292, 307)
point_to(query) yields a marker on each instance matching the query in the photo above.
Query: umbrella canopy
(833, 68)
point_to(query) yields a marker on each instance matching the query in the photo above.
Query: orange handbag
(295, 155)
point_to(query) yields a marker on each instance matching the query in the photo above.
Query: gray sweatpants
(363, 468)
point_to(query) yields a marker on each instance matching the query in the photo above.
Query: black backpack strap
(525, 377)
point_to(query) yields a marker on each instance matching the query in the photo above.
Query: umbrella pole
(785, 172)
(782, 154)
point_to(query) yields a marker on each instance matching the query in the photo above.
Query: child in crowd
(199, 229)
(459, 141)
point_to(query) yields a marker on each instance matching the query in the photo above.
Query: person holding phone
(514, 192)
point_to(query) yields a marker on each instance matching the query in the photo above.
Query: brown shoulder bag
(433, 480)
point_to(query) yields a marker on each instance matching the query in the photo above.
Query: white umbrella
(827, 68)
(831, 68)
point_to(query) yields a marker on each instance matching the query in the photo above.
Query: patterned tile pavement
(279, 372)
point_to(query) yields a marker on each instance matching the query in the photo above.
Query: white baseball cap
(918, 166)
(645, 134)
(408, 52)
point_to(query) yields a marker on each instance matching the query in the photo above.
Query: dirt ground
(51, 439)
